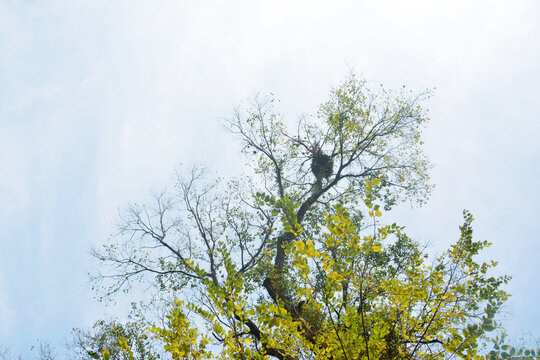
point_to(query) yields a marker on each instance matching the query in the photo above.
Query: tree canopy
(293, 259)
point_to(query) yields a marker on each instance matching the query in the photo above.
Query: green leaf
(93, 355)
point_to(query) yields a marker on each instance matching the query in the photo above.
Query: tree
(293, 260)
(6, 353)
(45, 351)
(115, 338)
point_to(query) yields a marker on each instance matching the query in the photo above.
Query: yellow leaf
(328, 265)
(299, 244)
(336, 276)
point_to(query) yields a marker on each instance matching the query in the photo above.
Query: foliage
(502, 350)
(372, 296)
(293, 261)
(180, 339)
(114, 340)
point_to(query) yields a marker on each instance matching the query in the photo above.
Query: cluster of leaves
(501, 349)
(115, 340)
(180, 339)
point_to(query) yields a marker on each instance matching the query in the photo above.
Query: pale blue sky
(101, 100)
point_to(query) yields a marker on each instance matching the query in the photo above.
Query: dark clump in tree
(322, 165)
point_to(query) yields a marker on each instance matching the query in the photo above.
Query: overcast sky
(100, 100)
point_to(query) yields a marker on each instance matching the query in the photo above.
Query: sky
(101, 100)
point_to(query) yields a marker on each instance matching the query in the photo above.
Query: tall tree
(292, 260)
